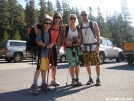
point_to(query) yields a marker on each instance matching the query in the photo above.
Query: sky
(106, 6)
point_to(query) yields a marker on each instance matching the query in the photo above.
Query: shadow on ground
(25, 95)
(122, 67)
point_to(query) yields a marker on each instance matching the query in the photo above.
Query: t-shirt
(88, 37)
(54, 35)
(44, 52)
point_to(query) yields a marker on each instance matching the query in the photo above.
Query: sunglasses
(84, 15)
(72, 18)
(57, 17)
(47, 23)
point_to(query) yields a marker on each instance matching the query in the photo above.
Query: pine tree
(42, 10)
(5, 35)
(4, 17)
(30, 12)
(127, 23)
(17, 35)
(50, 10)
(58, 6)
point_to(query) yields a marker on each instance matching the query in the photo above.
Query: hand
(37, 31)
(97, 49)
(78, 40)
(50, 45)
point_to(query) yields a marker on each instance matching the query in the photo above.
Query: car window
(21, 43)
(109, 43)
(3, 43)
(13, 43)
(104, 42)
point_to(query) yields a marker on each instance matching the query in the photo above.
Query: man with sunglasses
(90, 46)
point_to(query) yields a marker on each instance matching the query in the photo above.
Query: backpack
(67, 29)
(60, 28)
(91, 26)
(31, 44)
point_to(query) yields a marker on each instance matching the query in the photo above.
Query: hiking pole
(48, 71)
(53, 69)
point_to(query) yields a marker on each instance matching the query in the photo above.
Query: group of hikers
(84, 38)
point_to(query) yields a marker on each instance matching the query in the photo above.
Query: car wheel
(17, 57)
(63, 58)
(8, 59)
(119, 58)
(130, 60)
(102, 57)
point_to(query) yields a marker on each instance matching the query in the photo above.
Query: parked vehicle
(13, 50)
(128, 50)
(109, 51)
(62, 55)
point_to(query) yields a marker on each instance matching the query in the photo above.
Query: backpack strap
(42, 35)
(67, 29)
(91, 26)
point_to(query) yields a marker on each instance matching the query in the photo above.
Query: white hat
(47, 17)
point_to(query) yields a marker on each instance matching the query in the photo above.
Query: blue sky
(106, 6)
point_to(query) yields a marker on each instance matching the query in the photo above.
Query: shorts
(53, 56)
(73, 59)
(42, 64)
(90, 57)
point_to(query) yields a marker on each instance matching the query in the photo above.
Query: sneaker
(98, 82)
(78, 83)
(45, 87)
(90, 81)
(53, 83)
(34, 90)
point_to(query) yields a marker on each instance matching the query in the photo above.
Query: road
(117, 83)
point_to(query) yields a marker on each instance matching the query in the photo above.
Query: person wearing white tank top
(90, 46)
(73, 39)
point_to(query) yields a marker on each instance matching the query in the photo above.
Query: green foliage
(14, 19)
(5, 35)
(17, 35)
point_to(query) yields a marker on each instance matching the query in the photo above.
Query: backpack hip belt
(90, 45)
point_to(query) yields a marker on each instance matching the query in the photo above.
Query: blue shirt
(44, 51)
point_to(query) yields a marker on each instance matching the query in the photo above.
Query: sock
(77, 79)
(98, 77)
(43, 82)
(90, 76)
(35, 82)
(73, 79)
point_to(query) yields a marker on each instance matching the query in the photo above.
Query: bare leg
(53, 71)
(36, 74)
(43, 74)
(88, 70)
(98, 70)
(71, 69)
(77, 70)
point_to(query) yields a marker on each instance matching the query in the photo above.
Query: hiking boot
(78, 83)
(53, 83)
(34, 90)
(45, 87)
(90, 81)
(73, 82)
(98, 82)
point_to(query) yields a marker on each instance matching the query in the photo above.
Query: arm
(39, 42)
(64, 35)
(97, 33)
(37, 27)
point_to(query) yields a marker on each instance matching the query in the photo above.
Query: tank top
(88, 37)
(71, 34)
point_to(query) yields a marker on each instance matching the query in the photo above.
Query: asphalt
(117, 83)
